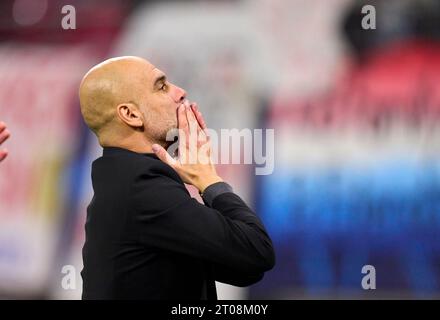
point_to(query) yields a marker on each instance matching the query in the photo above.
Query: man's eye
(163, 87)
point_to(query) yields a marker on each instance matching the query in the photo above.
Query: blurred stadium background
(356, 115)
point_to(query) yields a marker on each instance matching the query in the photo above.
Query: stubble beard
(166, 135)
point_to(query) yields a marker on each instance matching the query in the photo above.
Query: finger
(193, 110)
(194, 128)
(183, 129)
(182, 121)
(183, 144)
(163, 155)
(191, 117)
(192, 122)
(193, 134)
(5, 134)
(3, 154)
(2, 126)
(201, 122)
(200, 131)
(199, 116)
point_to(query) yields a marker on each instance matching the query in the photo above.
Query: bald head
(127, 100)
(108, 84)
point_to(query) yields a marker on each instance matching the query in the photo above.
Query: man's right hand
(194, 164)
(4, 134)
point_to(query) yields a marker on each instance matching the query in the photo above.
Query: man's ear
(130, 114)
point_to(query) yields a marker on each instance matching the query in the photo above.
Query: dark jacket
(146, 238)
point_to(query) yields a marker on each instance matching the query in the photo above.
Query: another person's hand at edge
(4, 135)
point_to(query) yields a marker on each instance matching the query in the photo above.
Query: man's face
(159, 104)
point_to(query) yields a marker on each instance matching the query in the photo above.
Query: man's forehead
(157, 73)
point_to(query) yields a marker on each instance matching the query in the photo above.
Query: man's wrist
(205, 182)
(213, 191)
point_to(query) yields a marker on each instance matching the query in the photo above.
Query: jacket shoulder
(151, 166)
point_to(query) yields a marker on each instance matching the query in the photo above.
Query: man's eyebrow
(159, 79)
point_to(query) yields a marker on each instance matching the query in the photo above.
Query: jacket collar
(109, 151)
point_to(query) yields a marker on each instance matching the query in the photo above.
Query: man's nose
(179, 94)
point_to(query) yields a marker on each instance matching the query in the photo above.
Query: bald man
(4, 135)
(146, 237)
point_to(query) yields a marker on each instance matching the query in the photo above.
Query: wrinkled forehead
(147, 72)
(157, 73)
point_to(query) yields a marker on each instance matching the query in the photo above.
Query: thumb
(163, 155)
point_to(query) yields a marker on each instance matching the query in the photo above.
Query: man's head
(127, 101)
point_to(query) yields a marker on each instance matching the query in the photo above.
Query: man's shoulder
(151, 166)
(136, 165)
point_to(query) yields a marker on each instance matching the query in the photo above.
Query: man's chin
(170, 135)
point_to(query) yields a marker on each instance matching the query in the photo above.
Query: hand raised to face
(194, 164)
(4, 135)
